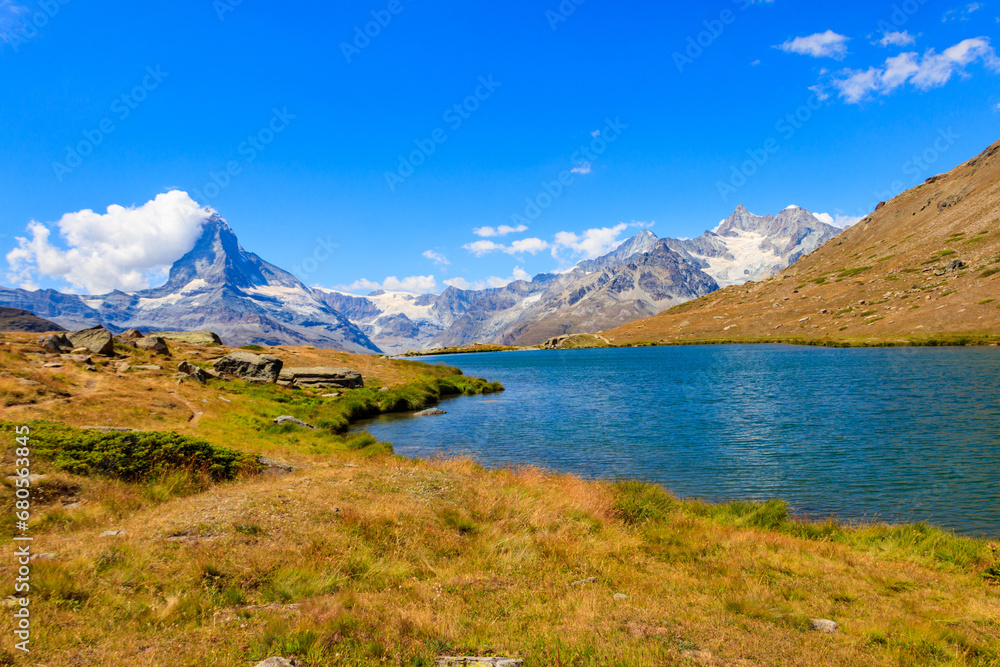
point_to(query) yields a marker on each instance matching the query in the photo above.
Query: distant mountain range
(642, 277)
(220, 286)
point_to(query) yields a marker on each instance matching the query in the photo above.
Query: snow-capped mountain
(218, 286)
(748, 247)
(641, 277)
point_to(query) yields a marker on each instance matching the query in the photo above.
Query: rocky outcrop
(154, 344)
(97, 340)
(191, 337)
(192, 371)
(321, 376)
(131, 334)
(430, 412)
(294, 421)
(249, 366)
(55, 344)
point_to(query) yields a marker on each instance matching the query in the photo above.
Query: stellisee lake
(894, 434)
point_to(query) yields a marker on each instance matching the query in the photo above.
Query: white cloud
(412, 284)
(996, 108)
(493, 281)
(932, 70)
(755, 63)
(961, 14)
(590, 244)
(838, 220)
(502, 230)
(821, 45)
(902, 38)
(437, 258)
(529, 245)
(122, 249)
(583, 168)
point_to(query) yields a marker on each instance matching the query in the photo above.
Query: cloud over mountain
(125, 248)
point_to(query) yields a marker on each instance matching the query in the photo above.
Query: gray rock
(79, 358)
(383, 390)
(192, 337)
(155, 344)
(333, 395)
(52, 365)
(321, 376)
(588, 580)
(275, 468)
(246, 365)
(448, 661)
(192, 371)
(97, 340)
(288, 419)
(131, 334)
(823, 625)
(430, 412)
(112, 533)
(276, 662)
(144, 367)
(55, 343)
(621, 596)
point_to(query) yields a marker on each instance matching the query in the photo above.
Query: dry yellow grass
(362, 558)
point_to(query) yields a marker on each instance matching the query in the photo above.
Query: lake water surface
(896, 434)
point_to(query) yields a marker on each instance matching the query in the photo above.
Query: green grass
(850, 273)
(252, 348)
(133, 456)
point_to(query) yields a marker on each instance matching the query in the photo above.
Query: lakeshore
(351, 554)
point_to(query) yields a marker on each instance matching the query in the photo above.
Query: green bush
(638, 502)
(133, 456)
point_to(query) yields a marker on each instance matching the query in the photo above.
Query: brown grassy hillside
(923, 268)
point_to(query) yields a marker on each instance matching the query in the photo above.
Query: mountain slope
(218, 286)
(15, 319)
(924, 266)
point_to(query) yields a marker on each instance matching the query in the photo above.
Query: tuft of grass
(253, 348)
(850, 273)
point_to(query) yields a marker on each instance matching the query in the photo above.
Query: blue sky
(669, 115)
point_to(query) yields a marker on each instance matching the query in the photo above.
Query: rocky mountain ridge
(641, 277)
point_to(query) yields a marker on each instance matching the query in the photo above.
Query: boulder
(192, 337)
(246, 365)
(288, 419)
(278, 662)
(823, 625)
(192, 371)
(154, 344)
(321, 376)
(97, 340)
(56, 343)
(131, 334)
(429, 412)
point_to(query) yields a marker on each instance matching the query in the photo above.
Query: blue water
(890, 434)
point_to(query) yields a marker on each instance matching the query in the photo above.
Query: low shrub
(133, 456)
